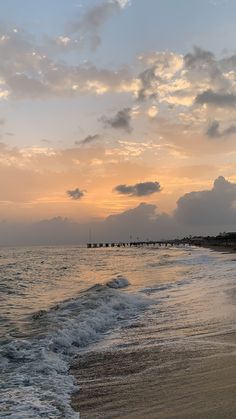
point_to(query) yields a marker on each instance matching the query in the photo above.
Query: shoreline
(157, 382)
(222, 249)
(171, 380)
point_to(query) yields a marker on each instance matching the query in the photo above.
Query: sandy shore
(226, 249)
(159, 382)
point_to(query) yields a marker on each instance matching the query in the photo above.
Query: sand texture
(159, 382)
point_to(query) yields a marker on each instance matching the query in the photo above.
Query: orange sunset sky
(108, 104)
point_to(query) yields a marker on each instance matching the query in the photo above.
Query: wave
(165, 287)
(118, 282)
(152, 290)
(36, 375)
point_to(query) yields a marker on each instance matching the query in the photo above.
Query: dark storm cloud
(213, 130)
(218, 99)
(88, 140)
(210, 207)
(121, 120)
(75, 194)
(139, 189)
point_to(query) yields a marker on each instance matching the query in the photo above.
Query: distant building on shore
(229, 235)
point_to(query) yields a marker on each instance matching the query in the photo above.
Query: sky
(116, 115)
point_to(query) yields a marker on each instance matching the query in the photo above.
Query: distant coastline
(223, 242)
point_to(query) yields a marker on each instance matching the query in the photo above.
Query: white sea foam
(37, 382)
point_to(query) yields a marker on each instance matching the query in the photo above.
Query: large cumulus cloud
(210, 207)
(202, 212)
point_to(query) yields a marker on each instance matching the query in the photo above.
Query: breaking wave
(35, 370)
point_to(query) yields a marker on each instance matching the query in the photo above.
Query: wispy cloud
(93, 19)
(88, 140)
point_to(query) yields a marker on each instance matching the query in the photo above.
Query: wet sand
(224, 249)
(159, 381)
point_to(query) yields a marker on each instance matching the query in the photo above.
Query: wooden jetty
(222, 240)
(159, 243)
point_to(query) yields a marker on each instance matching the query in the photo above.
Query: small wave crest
(165, 287)
(118, 282)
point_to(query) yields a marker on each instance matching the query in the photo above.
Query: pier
(159, 243)
(222, 240)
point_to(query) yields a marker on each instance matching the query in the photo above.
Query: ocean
(67, 313)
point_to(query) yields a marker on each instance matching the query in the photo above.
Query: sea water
(58, 302)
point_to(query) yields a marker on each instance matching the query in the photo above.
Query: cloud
(213, 130)
(121, 120)
(218, 99)
(93, 20)
(141, 222)
(84, 30)
(139, 189)
(152, 112)
(229, 131)
(22, 85)
(75, 194)
(30, 70)
(176, 80)
(148, 80)
(88, 140)
(198, 57)
(45, 140)
(95, 17)
(202, 212)
(163, 67)
(210, 207)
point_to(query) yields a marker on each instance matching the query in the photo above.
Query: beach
(189, 375)
(118, 209)
(158, 383)
(117, 333)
